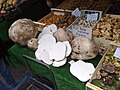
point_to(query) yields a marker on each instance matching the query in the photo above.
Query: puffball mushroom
(32, 44)
(63, 35)
(83, 48)
(22, 30)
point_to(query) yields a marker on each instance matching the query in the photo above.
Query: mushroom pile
(52, 50)
(22, 30)
(108, 28)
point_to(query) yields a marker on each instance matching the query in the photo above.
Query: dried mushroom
(108, 28)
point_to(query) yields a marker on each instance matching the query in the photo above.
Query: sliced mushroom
(52, 28)
(37, 54)
(58, 51)
(69, 49)
(46, 42)
(45, 57)
(59, 63)
(48, 30)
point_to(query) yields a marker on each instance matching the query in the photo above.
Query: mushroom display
(49, 50)
(83, 48)
(22, 30)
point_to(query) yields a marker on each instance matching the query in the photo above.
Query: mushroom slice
(85, 71)
(37, 55)
(45, 30)
(69, 49)
(46, 42)
(58, 51)
(59, 63)
(52, 28)
(45, 57)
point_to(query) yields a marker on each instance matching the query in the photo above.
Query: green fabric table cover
(4, 30)
(63, 77)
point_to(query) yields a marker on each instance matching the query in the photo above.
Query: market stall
(65, 21)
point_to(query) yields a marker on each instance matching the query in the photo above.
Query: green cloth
(4, 30)
(63, 78)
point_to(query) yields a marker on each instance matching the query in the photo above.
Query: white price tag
(76, 12)
(92, 17)
(82, 31)
(117, 53)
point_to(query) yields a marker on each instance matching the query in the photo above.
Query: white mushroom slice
(52, 28)
(60, 63)
(37, 55)
(85, 71)
(45, 57)
(45, 30)
(46, 42)
(69, 49)
(58, 51)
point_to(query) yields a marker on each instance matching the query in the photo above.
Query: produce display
(107, 76)
(108, 28)
(7, 5)
(50, 19)
(65, 21)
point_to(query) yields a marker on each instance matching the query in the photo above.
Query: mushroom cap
(22, 30)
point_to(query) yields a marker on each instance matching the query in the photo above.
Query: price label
(92, 17)
(82, 31)
(76, 12)
(117, 53)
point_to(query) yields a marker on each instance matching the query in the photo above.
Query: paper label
(82, 31)
(117, 53)
(76, 12)
(92, 17)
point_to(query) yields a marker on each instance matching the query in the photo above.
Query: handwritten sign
(92, 17)
(76, 12)
(117, 53)
(82, 31)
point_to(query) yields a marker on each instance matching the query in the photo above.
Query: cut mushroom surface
(45, 57)
(37, 55)
(59, 63)
(52, 28)
(58, 51)
(46, 42)
(48, 30)
(68, 49)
